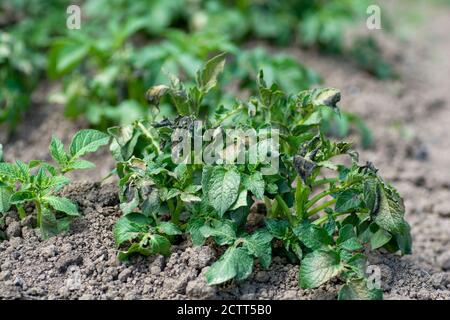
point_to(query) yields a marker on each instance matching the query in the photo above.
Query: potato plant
(39, 182)
(321, 208)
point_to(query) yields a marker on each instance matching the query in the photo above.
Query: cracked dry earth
(410, 118)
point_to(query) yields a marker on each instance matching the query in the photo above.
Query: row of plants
(106, 64)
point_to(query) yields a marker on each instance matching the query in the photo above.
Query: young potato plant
(319, 211)
(39, 182)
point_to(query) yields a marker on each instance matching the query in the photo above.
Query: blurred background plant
(124, 47)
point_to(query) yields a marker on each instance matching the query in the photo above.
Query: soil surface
(409, 117)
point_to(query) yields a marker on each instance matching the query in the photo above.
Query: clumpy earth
(409, 118)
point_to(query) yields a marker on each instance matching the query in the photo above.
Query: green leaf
(22, 197)
(129, 207)
(347, 238)
(259, 244)
(130, 227)
(168, 228)
(194, 226)
(278, 228)
(5, 195)
(255, 184)
(379, 239)
(358, 289)
(318, 267)
(223, 187)
(223, 231)
(391, 210)
(8, 170)
(86, 141)
(159, 244)
(207, 76)
(235, 263)
(241, 200)
(312, 236)
(348, 200)
(79, 165)
(135, 248)
(57, 151)
(62, 204)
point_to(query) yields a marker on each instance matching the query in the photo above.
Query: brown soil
(410, 118)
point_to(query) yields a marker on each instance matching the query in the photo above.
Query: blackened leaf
(318, 267)
(154, 94)
(235, 263)
(304, 167)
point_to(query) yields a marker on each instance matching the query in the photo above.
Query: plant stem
(320, 208)
(285, 208)
(317, 197)
(39, 214)
(176, 214)
(325, 218)
(324, 181)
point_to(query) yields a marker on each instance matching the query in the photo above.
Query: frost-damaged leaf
(235, 263)
(391, 210)
(278, 228)
(57, 151)
(130, 227)
(358, 289)
(5, 195)
(207, 76)
(62, 204)
(223, 187)
(255, 184)
(328, 97)
(304, 167)
(155, 93)
(86, 141)
(318, 267)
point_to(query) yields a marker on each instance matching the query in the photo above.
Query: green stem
(317, 197)
(325, 217)
(285, 208)
(150, 137)
(176, 214)
(321, 207)
(39, 213)
(324, 181)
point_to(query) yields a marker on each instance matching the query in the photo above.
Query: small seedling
(39, 182)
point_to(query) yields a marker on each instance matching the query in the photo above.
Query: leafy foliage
(324, 213)
(39, 182)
